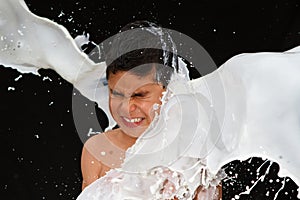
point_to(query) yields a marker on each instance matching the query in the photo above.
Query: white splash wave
(262, 109)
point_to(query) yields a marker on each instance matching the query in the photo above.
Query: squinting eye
(138, 95)
(116, 94)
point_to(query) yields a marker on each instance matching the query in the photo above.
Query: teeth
(133, 120)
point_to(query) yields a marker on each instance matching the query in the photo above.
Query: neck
(126, 140)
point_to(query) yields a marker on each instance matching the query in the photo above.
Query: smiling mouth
(132, 122)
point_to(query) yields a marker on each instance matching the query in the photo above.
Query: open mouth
(132, 122)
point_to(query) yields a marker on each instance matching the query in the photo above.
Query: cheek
(147, 108)
(113, 105)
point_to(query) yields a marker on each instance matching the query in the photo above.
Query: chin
(134, 133)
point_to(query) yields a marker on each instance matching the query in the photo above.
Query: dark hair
(163, 60)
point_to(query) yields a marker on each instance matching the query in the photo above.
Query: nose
(131, 106)
(128, 105)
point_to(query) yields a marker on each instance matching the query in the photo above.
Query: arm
(90, 167)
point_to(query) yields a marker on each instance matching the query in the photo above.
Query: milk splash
(256, 114)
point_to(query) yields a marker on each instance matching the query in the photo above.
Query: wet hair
(141, 61)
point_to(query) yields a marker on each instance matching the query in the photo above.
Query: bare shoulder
(95, 139)
(105, 148)
(99, 142)
(101, 138)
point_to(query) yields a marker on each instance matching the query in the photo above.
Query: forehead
(128, 82)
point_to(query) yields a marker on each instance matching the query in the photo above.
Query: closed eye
(140, 94)
(115, 93)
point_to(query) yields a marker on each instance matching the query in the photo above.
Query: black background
(40, 146)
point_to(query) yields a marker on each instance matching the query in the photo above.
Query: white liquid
(261, 109)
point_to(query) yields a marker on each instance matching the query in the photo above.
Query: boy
(136, 81)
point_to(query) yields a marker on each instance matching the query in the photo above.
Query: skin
(131, 101)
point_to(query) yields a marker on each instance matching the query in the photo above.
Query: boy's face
(131, 101)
